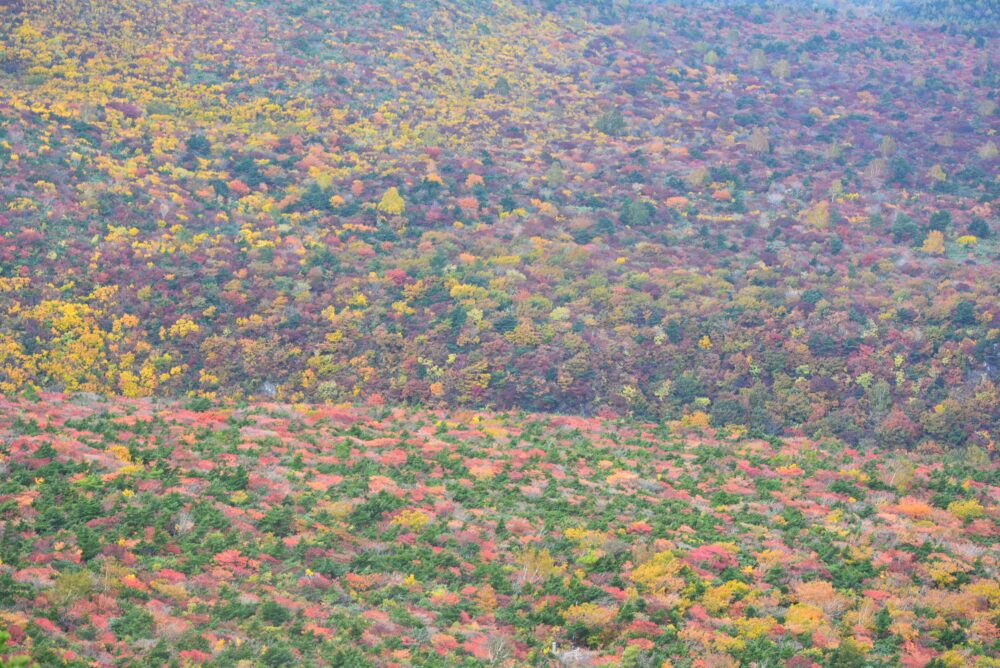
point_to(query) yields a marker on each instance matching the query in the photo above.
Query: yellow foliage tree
(934, 243)
(536, 565)
(591, 615)
(803, 618)
(392, 203)
(718, 599)
(661, 573)
(818, 216)
(414, 520)
(966, 510)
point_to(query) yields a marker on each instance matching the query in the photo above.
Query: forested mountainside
(769, 216)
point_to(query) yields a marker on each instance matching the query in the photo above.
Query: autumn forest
(635, 333)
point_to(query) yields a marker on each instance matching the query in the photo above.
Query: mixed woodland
(499, 332)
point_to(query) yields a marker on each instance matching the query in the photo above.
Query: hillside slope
(782, 218)
(141, 533)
